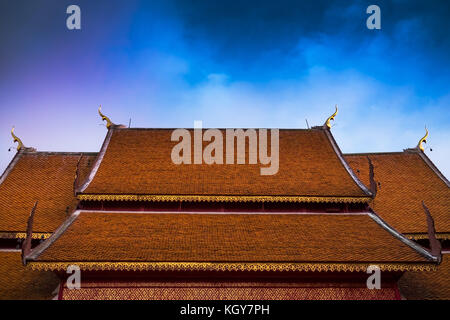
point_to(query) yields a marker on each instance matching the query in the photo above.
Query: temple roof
(427, 285)
(39, 176)
(20, 283)
(173, 240)
(135, 163)
(405, 180)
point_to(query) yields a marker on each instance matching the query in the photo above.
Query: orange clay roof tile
(44, 177)
(167, 237)
(138, 162)
(405, 181)
(20, 283)
(427, 285)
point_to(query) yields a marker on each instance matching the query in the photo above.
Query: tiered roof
(427, 285)
(231, 241)
(136, 164)
(20, 283)
(47, 177)
(405, 179)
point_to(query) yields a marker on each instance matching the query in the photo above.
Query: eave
(231, 267)
(220, 198)
(420, 236)
(23, 235)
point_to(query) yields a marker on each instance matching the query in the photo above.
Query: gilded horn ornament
(105, 118)
(424, 139)
(327, 123)
(20, 144)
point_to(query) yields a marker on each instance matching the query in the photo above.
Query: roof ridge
(10, 166)
(98, 161)
(415, 246)
(36, 252)
(69, 153)
(347, 167)
(223, 128)
(431, 165)
(372, 153)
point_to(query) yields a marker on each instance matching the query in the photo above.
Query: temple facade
(139, 226)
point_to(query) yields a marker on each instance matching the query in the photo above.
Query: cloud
(230, 64)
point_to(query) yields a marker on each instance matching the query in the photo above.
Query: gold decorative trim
(328, 123)
(424, 139)
(165, 198)
(420, 236)
(210, 266)
(23, 235)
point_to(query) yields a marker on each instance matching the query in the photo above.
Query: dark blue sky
(230, 64)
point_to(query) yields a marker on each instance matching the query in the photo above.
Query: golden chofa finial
(105, 118)
(327, 123)
(424, 139)
(20, 144)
